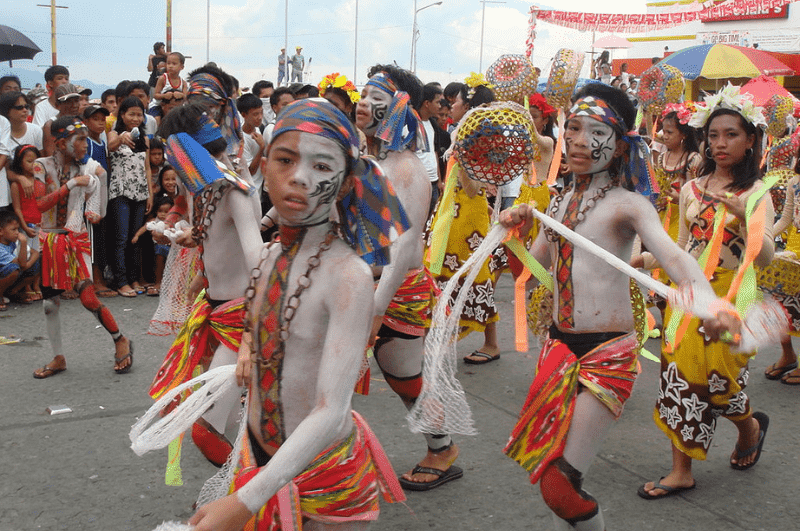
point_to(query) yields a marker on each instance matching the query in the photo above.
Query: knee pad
(407, 388)
(562, 491)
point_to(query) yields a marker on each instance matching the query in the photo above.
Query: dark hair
(7, 217)
(746, 171)
(55, 70)
(133, 85)
(107, 94)
(260, 85)
(444, 103)
(341, 93)
(604, 57)
(163, 199)
(156, 144)
(161, 173)
(179, 55)
(6, 79)
(248, 102)
(689, 133)
(403, 80)
(276, 96)
(8, 100)
(121, 91)
(186, 119)
(452, 88)
(158, 45)
(16, 164)
(431, 91)
(119, 125)
(481, 94)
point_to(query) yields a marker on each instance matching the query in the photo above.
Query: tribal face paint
(304, 175)
(76, 145)
(371, 109)
(590, 145)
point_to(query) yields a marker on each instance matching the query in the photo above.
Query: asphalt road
(76, 472)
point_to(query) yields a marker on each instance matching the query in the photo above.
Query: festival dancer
(721, 212)
(306, 454)
(70, 186)
(405, 293)
(588, 365)
(226, 229)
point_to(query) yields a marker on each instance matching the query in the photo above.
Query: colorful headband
(728, 98)
(209, 131)
(196, 167)
(400, 115)
(339, 81)
(209, 86)
(639, 170)
(682, 112)
(68, 130)
(538, 101)
(373, 215)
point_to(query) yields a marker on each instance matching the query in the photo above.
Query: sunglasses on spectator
(20, 107)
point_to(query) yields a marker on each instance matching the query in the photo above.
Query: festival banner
(777, 40)
(746, 10)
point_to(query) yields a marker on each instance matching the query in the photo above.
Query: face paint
(590, 145)
(304, 173)
(76, 146)
(372, 109)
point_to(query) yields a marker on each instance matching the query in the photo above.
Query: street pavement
(76, 472)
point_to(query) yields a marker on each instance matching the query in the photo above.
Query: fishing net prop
(494, 143)
(174, 526)
(183, 264)
(563, 78)
(776, 109)
(659, 86)
(513, 77)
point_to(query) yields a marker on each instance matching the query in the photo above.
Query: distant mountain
(29, 78)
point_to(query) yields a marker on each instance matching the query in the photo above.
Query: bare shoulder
(404, 168)
(344, 272)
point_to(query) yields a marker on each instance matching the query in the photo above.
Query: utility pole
(53, 8)
(355, 49)
(483, 20)
(169, 26)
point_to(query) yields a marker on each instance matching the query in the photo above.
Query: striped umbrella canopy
(720, 61)
(15, 45)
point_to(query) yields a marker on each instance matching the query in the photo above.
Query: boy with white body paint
(302, 358)
(593, 336)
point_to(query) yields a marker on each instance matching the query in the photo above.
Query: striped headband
(400, 116)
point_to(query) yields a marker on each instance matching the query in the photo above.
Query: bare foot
(122, 361)
(439, 461)
(747, 440)
(673, 479)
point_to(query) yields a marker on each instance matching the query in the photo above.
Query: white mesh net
(206, 389)
(173, 526)
(174, 305)
(442, 405)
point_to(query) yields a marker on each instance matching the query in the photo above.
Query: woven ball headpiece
(776, 109)
(660, 85)
(563, 78)
(494, 142)
(513, 77)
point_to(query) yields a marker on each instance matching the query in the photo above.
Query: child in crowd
(130, 195)
(162, 206)
(18, 267)
(156, 160)
(94, 116)
(160, 111)
(25, 208)
(109, 101)
(171, 79)
(167, 183)
(250, 107)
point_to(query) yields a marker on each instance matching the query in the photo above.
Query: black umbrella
(15, 45)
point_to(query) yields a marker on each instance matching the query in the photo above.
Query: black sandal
(117, 361)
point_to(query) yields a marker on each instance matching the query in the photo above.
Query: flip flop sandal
(129, 355)
(485, 358)
(763, 424)
(791, 379)
(129, 293)
(46, 372)
(668, 491)
(771, 374)
(444, 476)
(152, 291)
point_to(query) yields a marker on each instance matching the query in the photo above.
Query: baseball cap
(298, 48)
(83, 90)
(67, 91)
(91, 109)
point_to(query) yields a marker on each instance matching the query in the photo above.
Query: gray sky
(109, 40)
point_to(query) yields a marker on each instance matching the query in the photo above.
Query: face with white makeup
(304, 173)
(591, 145)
